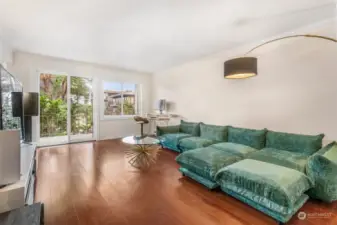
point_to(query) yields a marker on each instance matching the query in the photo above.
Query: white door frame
(95, 113)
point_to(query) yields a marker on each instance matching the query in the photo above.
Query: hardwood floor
(92, 183)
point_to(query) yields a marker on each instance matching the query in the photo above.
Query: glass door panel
(53, 109)
(81, 109)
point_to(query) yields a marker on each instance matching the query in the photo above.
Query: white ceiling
(150, 35)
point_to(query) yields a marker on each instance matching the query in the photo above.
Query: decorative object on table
(32, 215)
(162, 105)
(141, 120)
(143, 152)
(245, 67)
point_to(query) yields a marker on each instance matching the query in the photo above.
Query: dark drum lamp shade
(240, 68)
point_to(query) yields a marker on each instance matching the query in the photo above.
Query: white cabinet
(21, 192)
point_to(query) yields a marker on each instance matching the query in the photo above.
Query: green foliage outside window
(53, 106)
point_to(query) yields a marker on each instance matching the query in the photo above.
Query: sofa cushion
(322, 168)
(190, 128)
(307, 144)
(161, 130)
(281, 217)
(213, 132)
(203, 163)
(206, 162)
(171, 140)
(292, 160)
(236, 149)
(249, 137)
(277, 188)
(189, 143)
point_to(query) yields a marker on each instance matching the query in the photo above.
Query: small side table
(143, 152)
(31, 214)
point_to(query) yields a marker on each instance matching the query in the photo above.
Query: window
(120, 99)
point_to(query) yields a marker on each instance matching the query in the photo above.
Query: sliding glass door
(81, 109)
(53, 109)
(66, 109)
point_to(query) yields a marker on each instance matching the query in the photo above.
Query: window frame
(122, 116)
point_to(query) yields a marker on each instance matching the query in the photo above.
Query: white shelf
(19, 193)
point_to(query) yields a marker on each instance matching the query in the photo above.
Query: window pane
(112, 98)
(129, 95)
(81, 107)
(53, 105)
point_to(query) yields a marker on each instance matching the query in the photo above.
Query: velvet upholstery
(283, 218)
(322, 168)
(307, 144)
(190, 143)
(236, 149)
(249, 137)
(167, 130)
(206, 162)
(171, 140)
(274, 187)
(292, 160)
(189, 128)
(272, 180)
(213, 132)
(204, 181)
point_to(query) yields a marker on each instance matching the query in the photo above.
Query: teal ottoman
(203, 163)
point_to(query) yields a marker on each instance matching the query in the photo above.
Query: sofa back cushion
(213, 132)
(250, 137)
(190, 128)
(307, 144)
(322, 169)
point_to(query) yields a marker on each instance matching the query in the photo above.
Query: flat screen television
(17, 103)
(31, 103)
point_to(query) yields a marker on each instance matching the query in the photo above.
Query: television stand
(21, 192)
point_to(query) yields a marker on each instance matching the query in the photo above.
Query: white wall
(6, 53)
(295, 91)
(26, 68)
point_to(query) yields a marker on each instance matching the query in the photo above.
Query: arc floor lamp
(245, 67)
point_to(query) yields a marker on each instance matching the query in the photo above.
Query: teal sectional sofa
(202, 164)
(273, 180)
(273, 172)
(322, 169)
(188, 135)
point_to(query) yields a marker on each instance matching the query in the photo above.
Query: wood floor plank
(92, 183)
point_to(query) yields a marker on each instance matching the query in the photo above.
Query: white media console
(21, 192)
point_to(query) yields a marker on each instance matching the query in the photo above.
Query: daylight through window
(120, 99)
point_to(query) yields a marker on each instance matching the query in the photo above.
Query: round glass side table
(143, 152)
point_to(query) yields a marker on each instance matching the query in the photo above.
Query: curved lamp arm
(245, 67)
(293, 36)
